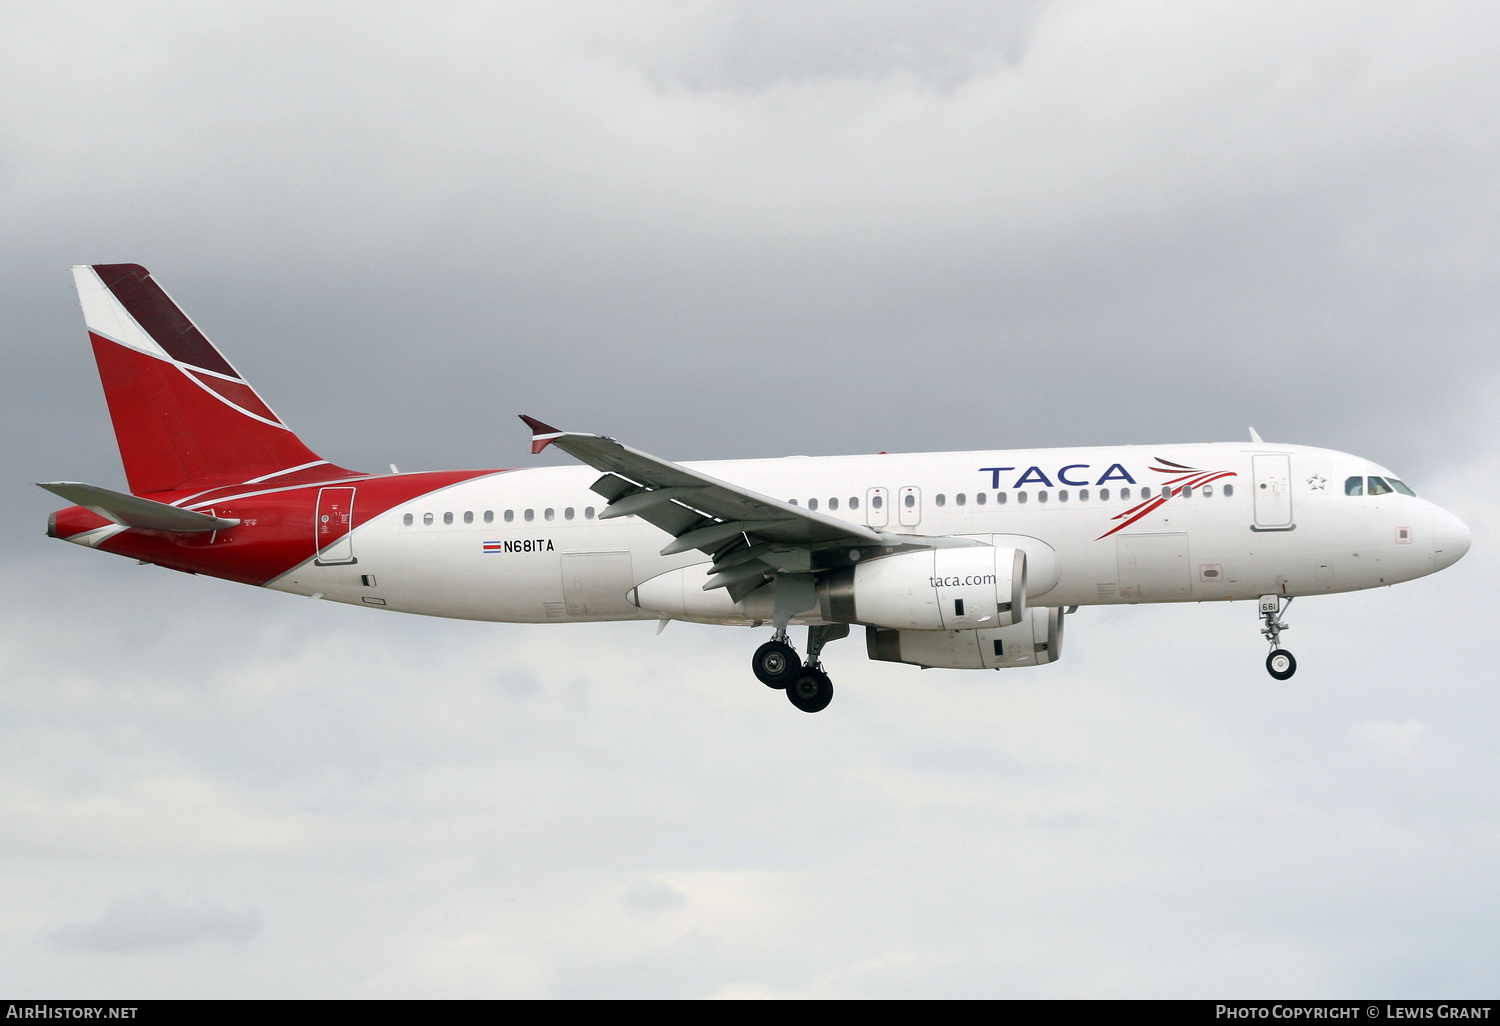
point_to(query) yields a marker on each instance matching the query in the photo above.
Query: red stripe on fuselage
(276, 530)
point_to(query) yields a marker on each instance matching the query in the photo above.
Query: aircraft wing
(748, 533)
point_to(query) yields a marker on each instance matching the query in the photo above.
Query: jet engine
(1035, 640)
(950, 589)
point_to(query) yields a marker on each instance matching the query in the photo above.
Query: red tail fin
(183, 417)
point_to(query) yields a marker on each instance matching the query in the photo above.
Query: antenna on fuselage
(1254, 437)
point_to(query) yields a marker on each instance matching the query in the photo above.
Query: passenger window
(1000, 499)
(426, 518)
(1021, 497)
(1166, 491)
(1187, 491)
(407, 520)
(1062, 496)
(979, 498)
(1208, 491)
(911, 500)
(588, 513)
(1083, 495)
(489, 516)
(530, 515)
(940, 499)
(568, 513)
(833, 504)
(468, 516)
(812, 504)
(1104, 495)
(510, 515)
(1041, 496)
(447, 518)
(854, 502)
(960, 498)
(1228, 490)
(876, 501)
(792, 501)
(1379, 487)
(1124, 494)
(550, 513)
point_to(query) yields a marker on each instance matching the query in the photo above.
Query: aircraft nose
(1450, 539)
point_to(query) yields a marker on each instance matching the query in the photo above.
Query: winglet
(542, 435)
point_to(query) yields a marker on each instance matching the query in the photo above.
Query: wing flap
(699, 511)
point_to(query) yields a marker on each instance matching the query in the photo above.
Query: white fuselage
(528, 546)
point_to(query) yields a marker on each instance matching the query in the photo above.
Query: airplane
(965, 560)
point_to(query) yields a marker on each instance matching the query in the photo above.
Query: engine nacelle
(951, 589)
(1032, 642)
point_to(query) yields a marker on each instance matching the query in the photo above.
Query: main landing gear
(1280, 664)
(777, 665)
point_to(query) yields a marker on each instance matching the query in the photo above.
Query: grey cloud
(653, 897)
(755, 44)
(720, 230)
(151, 921)
(1244, 243)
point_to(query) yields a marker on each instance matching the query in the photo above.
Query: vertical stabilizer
(183, 416)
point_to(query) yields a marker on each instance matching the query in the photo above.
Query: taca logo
(1037, 476)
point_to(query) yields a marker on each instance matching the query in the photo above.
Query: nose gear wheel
(1280, 664)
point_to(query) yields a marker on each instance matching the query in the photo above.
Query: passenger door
(331, 526)
(1273, 491)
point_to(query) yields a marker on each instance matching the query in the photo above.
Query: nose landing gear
(1280, 664)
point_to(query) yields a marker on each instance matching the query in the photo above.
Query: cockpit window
(1379, 487)
(1400, 487)
(1354, 486)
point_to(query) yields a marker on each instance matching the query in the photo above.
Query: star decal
(1316, 482)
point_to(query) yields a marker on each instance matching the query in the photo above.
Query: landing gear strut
(777, 665)
(812, 690)
(1280, 664)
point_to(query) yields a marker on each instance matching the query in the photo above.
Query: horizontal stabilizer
(134, 511)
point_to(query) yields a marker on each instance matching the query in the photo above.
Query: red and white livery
(955, 559)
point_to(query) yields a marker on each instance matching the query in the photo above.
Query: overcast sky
(722, 229)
